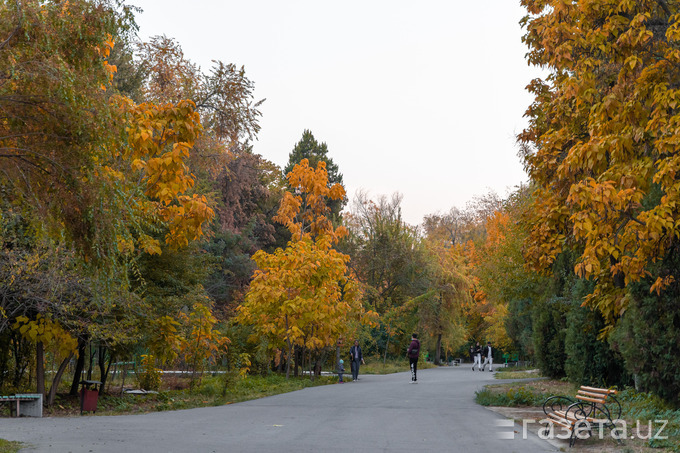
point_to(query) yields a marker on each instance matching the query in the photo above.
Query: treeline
(138, 224)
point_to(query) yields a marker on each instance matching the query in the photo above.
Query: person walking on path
(412, 353)
(488, 356)
(357, 359)
(478, 357)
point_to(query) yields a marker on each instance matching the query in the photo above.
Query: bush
(549, 333)
(150, 376)
(591, 361)
(649, 407)
(519, 327)
(648, 337)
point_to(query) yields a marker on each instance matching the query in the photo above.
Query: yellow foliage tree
(47, 335)
(204, 344)
(496, 267)
(302, 295)
(602, 144)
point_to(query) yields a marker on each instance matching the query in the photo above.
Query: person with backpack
(412, 353)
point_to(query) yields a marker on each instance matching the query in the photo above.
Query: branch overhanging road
(377, 413)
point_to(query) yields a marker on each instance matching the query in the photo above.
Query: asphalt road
(374, 414)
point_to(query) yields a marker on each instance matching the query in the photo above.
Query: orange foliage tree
(601, 146)
(301, 295)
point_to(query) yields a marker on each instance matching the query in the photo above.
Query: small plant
(150, 376)
(9, 447)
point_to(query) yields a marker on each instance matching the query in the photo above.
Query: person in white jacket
(487, 352)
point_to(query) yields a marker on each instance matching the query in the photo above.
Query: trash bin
(89, 395)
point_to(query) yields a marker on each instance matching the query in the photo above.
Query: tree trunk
(387, 345)
(290, 350)
(320, 361)
(80, 365)
(104, 367)
(437, 350)
(289, 358)
(57, 378)
(89, 367)
(40, 368)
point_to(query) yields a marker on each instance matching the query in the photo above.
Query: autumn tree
(251, 189)
(387, 253)
(601, 142)
(440, 310)
(309, 148)
(601, 149)
(390, 261)
(223, 97)
(447, 228)
(302, 295)
(57, 121)
(101, 180)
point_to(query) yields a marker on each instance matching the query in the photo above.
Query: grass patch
(514, 374)
(522, 394)
(7, 446)
(514, 397)
(210, 392)
(213, 390)
(375, 365)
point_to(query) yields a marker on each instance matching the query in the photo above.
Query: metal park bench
(591, 406)
(26, 404)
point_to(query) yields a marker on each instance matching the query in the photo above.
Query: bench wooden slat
(592, 400)
(559, 418)
(566, 416)
(562, 423)
(593, 394)
(599, 390)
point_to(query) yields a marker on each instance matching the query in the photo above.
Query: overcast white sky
(423, 98)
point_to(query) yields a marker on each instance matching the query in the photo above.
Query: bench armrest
(557, 403)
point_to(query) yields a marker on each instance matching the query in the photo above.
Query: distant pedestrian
(412, 353)
(488, 356)
(357, 358)
(478, 357)
(472, 353)
(341, 370)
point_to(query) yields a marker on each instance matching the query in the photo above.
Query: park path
(374, 414)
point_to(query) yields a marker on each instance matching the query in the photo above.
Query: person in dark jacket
(478, 357)
(412, 353)
(487, 352)
(357, 358)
